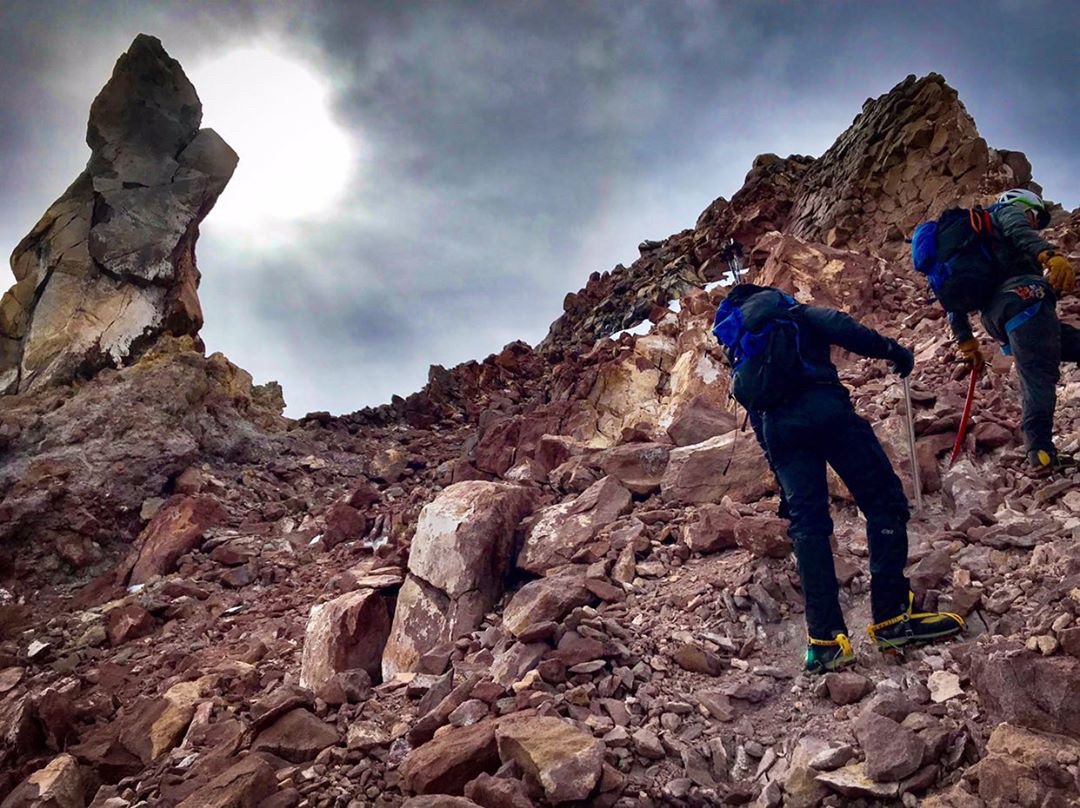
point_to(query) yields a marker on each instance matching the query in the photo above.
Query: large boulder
(638, 466)
(563, 759)
(297, 736)
(560, 531)
(110, 267)
(730, 465)
(458, 563)
(346, 633)
(698, 420)
(1029, 690)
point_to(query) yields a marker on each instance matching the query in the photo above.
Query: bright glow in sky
(296, 161)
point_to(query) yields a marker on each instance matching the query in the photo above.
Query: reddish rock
(930, 571)
(346, 633)
(565, 761)
(363, 495)
(78, 551)
(60, 784)
(151, 727)
(498, 792)
(343, 523)
(57, 714)
(989, 435)
(1070, 641)
(638, 466)
(178, 528)
(560, 531)
(438, 801)
(712, 531)
(764, 536)
(698, 420)
(128, 623)
(698, 660)
(547, 599)
(605, 590)
(447, 762)
(728, 465)
(847, 687)
(297, 736)
(505, 441)
(1028, 689)
(247, 784)
(892, 751)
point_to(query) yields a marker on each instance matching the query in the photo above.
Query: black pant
(820, 426)
(1022, 317)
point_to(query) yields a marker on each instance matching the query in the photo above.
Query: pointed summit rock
(909, 154)
(110, 267)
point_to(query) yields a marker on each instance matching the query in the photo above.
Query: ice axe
(965, 419)
(916, 483)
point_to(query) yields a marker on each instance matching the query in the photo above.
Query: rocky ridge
(532, 582)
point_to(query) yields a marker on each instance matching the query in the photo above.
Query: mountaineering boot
(914, 627)
(1042, 462)
(823, 656)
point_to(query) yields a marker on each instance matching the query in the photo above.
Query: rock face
(110, 267)
(457, 568)
(654, 661)
(81, 463)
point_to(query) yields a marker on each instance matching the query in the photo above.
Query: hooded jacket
(819, 329)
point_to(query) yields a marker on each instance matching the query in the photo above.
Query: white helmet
(1027, 200)
(1022, 197)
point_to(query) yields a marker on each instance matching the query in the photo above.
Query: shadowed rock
(110, 267)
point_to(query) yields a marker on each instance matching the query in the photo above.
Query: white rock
(944, 686)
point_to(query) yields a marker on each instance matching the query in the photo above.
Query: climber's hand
(970, 354)
(1059, 272)
(901, 360)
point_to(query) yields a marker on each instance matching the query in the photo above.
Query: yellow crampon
(817, 663)
(917, 627)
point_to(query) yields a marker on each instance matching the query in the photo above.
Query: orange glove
(970, 354)
(1059, 272)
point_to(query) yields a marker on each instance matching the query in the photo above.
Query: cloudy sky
(423, 182)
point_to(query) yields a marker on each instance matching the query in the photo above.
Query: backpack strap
(980, 221)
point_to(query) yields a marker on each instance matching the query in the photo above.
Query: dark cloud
(511, 148)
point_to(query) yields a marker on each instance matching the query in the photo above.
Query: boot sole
(888, 645)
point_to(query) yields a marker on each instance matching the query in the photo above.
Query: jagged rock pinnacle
(110, 267)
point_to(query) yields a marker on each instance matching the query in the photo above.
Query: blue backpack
(759, 328)
(955, 253)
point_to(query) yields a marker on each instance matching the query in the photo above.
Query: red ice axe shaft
(965, 419)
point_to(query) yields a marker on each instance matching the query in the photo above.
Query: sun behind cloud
(296, 161)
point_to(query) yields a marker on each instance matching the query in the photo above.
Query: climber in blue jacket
(813, 424)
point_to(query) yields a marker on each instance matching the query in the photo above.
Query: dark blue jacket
(819, 329)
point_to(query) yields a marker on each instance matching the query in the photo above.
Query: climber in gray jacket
(1021, 316)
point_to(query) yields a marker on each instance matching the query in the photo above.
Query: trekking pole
(916, 483)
